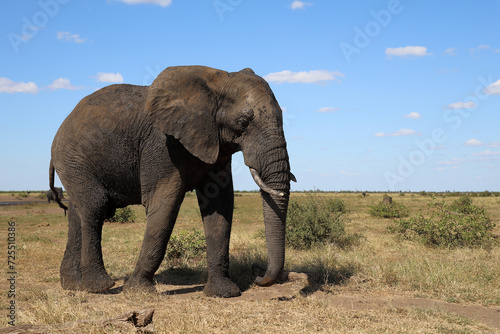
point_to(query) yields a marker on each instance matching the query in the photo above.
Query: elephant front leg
(216, 201)
(161, 211)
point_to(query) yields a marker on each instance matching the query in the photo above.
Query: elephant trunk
(275, 190)
(275, 209)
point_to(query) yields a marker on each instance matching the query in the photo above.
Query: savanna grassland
(382, 283)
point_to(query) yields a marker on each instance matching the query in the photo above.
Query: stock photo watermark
(426, 147)
(365, 35)
(30, 26)
(223, 6)
(11, 273)
(151, 75)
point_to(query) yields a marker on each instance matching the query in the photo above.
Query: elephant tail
(51, 184)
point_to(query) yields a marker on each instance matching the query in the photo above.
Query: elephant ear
(181, 103)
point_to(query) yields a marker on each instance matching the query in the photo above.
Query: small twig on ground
(138, 319)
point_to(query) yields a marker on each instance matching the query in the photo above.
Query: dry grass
(381, 266)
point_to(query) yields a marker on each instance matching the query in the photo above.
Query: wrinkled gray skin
(51, 194)
(129, 144)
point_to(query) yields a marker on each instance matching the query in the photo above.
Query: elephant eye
(243, 123)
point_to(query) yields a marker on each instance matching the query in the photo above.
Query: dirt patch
(489, 316)
(363, 301)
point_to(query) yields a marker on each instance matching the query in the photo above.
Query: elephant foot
(69, 282)
(138, 284)
(221, 287)
(71, 276)
(96, 283)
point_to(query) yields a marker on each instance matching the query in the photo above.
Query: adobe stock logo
(40, 19)
(223, 6)
(363, 37)
(452, 117)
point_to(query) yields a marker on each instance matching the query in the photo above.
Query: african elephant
(51, 194)
(128, 144)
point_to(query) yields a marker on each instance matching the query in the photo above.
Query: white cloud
(413, 115)
(473, 142)
(11, 87)
(486, 154)
(162, 3)
(327, 110)
(109, 77)
(493, 89)
(300, 4)
(454, 161)
(401, 132)
(67, 36)
(447, 71)
(480, 47)
(348, 173)
(314, 76)
(451, 51)
(62, 83)
(462, 105)
(418, 51)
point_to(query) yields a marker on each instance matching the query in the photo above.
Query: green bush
(394, 210)
(123, 215)
(446, 228)
(186, 245)
(485, 193)
(336, 205)
(464, 205)
(314, 219)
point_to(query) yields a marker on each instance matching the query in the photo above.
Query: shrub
(464, 205)
(123, 215)
(186, 245)
(394, 210)
(314, 220)
(445, 228)
(485, 193)
(336, 205)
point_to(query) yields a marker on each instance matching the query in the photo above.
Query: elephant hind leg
(90, 205)
(82, 267)
(94, 275)
(70, 270)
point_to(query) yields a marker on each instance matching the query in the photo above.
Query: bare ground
(358, 301)
(355, 301)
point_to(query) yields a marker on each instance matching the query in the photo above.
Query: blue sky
(377, 95)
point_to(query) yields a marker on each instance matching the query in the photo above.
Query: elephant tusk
(264, 186)
(292, 178)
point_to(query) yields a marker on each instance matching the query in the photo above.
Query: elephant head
(214, 114)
